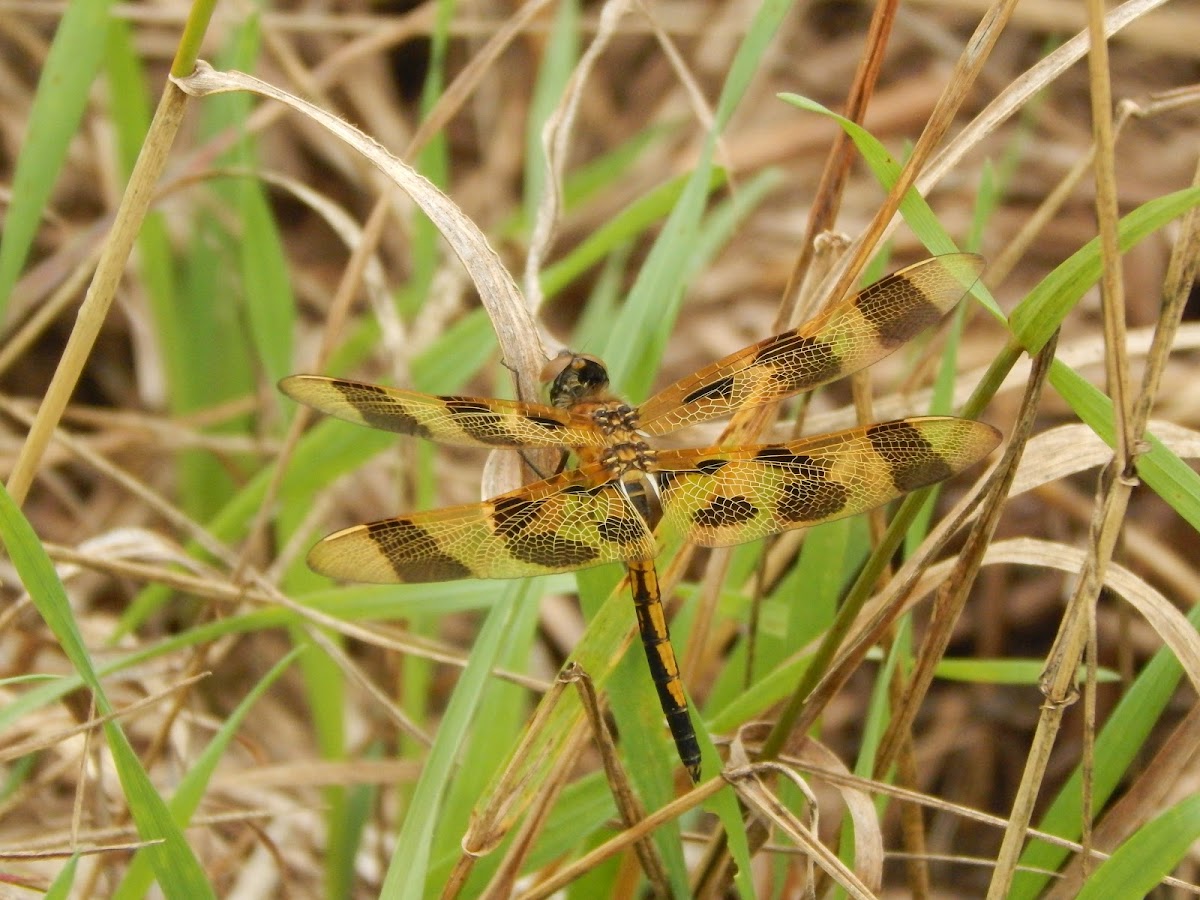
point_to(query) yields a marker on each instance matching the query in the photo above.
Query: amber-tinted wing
(719, 497)
(845, 338)
(465, 421)
(570, 521)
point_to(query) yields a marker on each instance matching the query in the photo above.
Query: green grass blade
(62, 95)
(715, 231)
(605, 296)
(60, 888)
(801, 608)
(131, 111)
(653, 301)
(628, 223)
(916, 212)
(131, 107)
(186, 800)
(209, 302)
(591, 178)
(270, 304)
(558, 60)
(1161, 470)
(508, 708)
(987, 201)
(1005, 671)
(1043, 310)
(1150, 854)
(177, 869)
(583, 810)
(597, 654)
(727, 808)
(775, 686)
(1118, 747)
(409, 865)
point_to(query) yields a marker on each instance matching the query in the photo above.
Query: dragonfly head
(574, 378)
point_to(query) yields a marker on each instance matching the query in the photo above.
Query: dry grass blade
(12, 752)
(958, 84)
(1023, 88)
(869, 854)
(629, 805)
(1112, 289)
(1058, 453)
(828, 194)
(810, 754)
(754, 793)
(1109, 514)
(109, 269)
(556, 134)
(623, 841)
(951, 596)
(176, 493)
(516, 332)
(1149, 794)
(933, 804)
(1167, 621)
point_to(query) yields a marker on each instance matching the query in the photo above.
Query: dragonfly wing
(847, 337)
(464, 421)
(720, 497)
(570, 521)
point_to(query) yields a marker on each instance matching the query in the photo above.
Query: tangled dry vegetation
(1009, 700)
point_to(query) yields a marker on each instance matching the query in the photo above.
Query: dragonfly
(606, 507)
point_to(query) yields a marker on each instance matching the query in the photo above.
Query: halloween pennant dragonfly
(601, 511)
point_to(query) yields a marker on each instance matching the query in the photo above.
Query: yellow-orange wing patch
(847, 337)
(464, 421)
(570, 521)
(719, 497)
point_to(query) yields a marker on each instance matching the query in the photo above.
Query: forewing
(574, 520)
(720, 497)
(465, 421)
(847, 337)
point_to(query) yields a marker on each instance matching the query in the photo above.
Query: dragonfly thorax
(625, 449)
(635, 457)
